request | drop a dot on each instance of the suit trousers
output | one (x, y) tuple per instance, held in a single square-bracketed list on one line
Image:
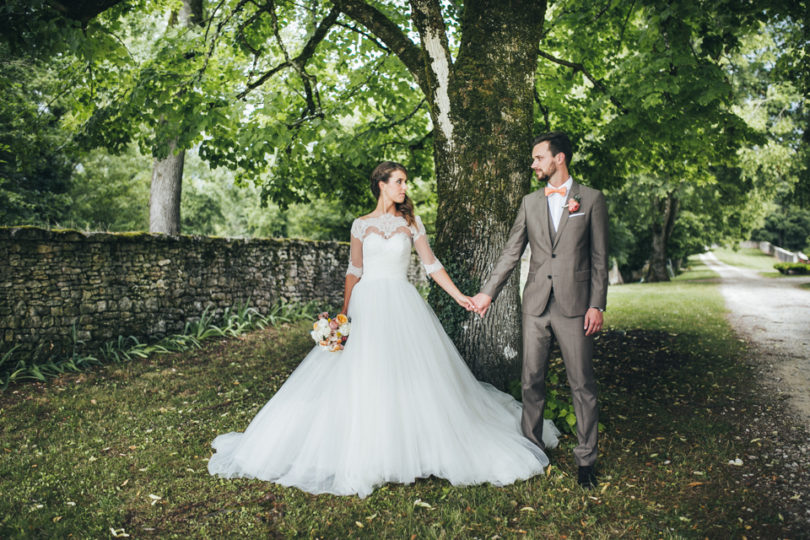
[(577, 353)]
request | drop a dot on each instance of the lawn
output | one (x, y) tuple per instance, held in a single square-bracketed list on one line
[(747, 258), (123, 449)]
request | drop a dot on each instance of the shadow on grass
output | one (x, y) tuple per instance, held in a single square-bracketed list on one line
[(124, 449)]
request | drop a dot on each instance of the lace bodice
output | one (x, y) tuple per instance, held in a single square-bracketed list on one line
[(381, 247)]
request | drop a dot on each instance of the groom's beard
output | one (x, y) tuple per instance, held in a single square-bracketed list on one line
[(546, 176)]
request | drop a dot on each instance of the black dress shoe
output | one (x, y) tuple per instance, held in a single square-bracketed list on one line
[(586, 477)]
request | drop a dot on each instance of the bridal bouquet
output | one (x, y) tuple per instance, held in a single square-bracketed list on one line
[(331, 333)]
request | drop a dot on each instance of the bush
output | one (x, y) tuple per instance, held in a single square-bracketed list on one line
[(792, 268)]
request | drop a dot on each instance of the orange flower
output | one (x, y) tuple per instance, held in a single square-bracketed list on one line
[(342, 319)]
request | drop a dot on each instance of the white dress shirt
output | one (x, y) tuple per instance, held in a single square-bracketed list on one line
[(556, 202)]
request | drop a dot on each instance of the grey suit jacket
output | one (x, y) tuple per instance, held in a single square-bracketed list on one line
[(574, 262)]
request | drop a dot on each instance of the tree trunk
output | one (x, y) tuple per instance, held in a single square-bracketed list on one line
[(167, 173), (665, 211), (482, 112), (164, 195)]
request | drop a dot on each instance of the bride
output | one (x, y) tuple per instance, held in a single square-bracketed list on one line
[(398, 403)]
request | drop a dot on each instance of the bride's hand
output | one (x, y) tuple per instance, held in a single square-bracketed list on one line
[(465, 302)]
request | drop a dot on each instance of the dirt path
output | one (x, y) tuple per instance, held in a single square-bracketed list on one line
[(774, 314)]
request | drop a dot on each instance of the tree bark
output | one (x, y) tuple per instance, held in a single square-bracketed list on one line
[(665, 211), (482, 111), (167, 173), (164, 195)]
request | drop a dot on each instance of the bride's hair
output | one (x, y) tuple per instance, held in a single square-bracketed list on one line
[(381, 173)]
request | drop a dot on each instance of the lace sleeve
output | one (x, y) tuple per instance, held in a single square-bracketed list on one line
[(420, 243), (356, 250)]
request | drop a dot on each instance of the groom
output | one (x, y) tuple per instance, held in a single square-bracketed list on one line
[(566, 226)]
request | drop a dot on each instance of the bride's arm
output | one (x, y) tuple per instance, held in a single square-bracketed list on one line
[(355, 270), (435, 270), (442, 279), (351, 281)]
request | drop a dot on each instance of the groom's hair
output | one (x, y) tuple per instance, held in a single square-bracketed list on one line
[(558, 141)]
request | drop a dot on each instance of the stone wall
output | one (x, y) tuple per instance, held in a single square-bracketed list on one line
[(145, 285)]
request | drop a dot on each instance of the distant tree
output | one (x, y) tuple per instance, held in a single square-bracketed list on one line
[(109, 192), (167, 171), (36, 155), (787, 228)]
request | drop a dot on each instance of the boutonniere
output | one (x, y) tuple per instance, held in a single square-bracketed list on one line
[(573, 203)]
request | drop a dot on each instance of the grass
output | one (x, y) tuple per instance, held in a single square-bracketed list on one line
[(233, 321), (748, 258), (123, 449)]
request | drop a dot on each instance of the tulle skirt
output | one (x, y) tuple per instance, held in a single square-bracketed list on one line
[(398, 403)]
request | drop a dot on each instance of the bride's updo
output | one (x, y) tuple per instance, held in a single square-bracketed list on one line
[(381, 173)]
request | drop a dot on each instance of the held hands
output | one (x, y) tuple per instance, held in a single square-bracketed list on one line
[(465, 302), (482, 302), (479, 303)]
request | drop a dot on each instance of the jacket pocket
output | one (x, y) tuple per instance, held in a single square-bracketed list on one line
[(582, 275)]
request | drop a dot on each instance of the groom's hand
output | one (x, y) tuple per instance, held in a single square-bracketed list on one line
[(593, 321), (482, 302)]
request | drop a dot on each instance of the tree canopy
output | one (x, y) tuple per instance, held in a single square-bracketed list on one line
[(682, 112)]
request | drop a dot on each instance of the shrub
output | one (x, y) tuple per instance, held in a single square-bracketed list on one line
[(792, 268)]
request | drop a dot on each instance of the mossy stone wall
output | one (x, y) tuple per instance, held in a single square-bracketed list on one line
[(147, 285)]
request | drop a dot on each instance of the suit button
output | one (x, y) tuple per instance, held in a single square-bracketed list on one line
[(553, 255), (549, 277)]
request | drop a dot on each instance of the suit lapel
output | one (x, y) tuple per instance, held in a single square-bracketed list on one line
[(545, 221), (564, 218)]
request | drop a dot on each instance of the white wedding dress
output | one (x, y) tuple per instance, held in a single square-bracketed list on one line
[(398, 403)]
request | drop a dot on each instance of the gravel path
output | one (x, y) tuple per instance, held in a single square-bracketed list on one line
[(774, 315)]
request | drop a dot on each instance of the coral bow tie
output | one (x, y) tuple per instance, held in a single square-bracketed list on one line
[(560, 190)]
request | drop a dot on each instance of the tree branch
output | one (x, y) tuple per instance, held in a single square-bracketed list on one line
[(419, 144), (261, 80), (543, 109), (298, 67), (596, 82), (299, 62), (371, 37), (389, 33), (603, 11), (393, 122), (240, 31), (427, 17), (624, 25), (82, 11), (217, 34)]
